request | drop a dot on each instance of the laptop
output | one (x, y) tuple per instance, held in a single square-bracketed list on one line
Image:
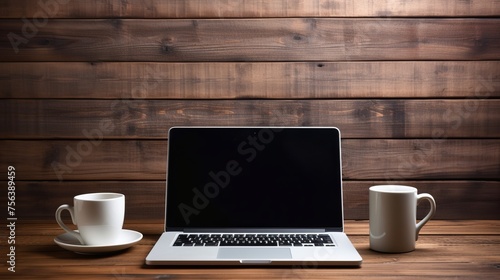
[(254, 196)]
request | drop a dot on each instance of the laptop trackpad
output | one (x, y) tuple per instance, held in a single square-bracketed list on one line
[(254, 253)]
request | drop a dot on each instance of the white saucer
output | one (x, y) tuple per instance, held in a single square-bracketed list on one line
[(127, 239)]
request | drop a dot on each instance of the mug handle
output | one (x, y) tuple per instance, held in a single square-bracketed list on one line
[(432, 202), (63, 226)]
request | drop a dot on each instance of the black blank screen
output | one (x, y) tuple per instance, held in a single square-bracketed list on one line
[(254, 178)]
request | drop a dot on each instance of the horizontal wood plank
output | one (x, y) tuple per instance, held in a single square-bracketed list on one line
[(475, 117), (241, 8), (423, 159), (294, 39), (151, 228), (275, 80), (488, 246), (385, 268), (145, 200), (445, 249)]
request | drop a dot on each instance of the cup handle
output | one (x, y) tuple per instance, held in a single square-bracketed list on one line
[(429, 215), (63, 226)]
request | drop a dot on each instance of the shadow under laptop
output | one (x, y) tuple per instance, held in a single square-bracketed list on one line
[(253, 266)]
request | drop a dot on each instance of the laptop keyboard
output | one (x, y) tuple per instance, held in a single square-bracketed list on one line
[(254, 240)]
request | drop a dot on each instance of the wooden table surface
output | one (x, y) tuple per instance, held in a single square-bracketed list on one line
[(445, 249)]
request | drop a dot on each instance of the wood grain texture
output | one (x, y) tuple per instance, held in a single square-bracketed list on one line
[(445, 249), (270, 80), (88, 90), (151, 119), (354, 228), (234, 40), (421, 159), (241, 8), (450, 159), (145, 200)]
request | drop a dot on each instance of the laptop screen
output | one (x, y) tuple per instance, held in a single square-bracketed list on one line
[(257, 177)]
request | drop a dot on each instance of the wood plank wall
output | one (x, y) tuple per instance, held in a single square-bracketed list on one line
[(88, 90)]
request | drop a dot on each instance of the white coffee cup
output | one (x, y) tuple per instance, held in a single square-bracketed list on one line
[(393, 216), (98, 216)]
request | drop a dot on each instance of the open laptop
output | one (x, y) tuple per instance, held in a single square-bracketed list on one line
[(254, 196)]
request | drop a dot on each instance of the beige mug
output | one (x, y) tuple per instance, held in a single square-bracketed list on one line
[(98, 216), (393, 216)]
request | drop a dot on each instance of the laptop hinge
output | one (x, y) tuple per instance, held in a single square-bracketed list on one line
[(250, 230)]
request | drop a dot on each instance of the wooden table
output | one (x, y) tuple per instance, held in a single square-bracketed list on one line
[(446, 249)]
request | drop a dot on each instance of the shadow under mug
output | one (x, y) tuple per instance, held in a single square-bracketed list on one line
[(98, 216), (393, 216)]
